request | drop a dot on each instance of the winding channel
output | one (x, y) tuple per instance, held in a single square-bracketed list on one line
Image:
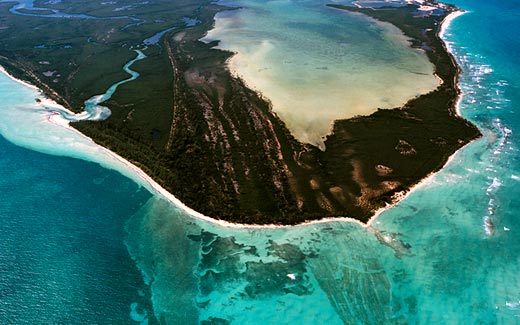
[(95, 112)]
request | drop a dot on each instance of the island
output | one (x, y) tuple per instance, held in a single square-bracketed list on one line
[(206, 137)]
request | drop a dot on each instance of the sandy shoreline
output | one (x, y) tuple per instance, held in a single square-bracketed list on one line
[(447, 22), (25, 83), (156, 189)]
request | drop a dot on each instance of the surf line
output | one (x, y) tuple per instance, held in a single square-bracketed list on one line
[(93, 110)]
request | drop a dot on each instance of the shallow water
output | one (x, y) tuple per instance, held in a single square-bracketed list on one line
[(448, 253), (317, 64)]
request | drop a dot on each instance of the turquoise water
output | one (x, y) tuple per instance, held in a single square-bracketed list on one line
[(448, 253)]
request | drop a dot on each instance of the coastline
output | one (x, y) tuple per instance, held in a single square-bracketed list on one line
[(23, 82), (155, 188), (55, 118), (445, 24)]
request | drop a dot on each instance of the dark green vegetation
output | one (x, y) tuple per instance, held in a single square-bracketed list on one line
[(213, 142)]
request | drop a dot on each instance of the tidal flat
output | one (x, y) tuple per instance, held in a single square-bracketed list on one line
[(317, 65)]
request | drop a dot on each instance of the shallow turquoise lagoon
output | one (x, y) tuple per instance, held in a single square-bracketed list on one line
[(448, 253), (318, 64)]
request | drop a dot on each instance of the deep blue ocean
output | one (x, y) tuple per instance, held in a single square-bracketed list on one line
[(83, 244), (62, 258)]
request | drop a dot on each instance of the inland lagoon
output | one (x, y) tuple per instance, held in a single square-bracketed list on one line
[(317, 64)]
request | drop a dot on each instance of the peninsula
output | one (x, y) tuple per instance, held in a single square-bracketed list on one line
[(207, 138)]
